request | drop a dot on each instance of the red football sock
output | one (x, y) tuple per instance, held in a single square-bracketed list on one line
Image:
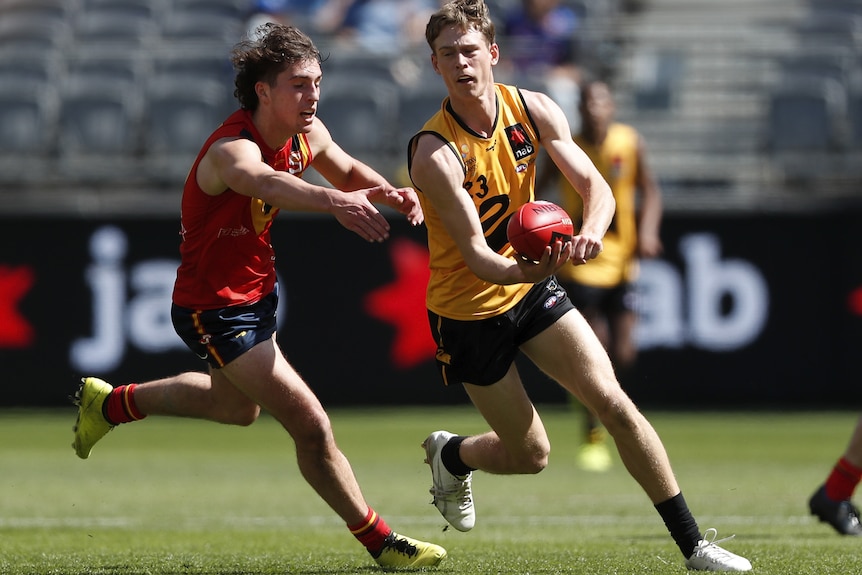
[(843, 480), (120, 407), (371, 531)]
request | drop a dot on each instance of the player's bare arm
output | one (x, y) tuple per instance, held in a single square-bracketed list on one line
[(236, 164), (348, 173), (650, 208), (575, 165), (439, 175)]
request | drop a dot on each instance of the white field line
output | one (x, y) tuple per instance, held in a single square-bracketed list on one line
[(204, 522)]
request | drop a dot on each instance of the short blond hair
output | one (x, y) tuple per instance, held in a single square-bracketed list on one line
[(464, 14)]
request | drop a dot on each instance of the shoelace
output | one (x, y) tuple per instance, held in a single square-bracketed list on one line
[(710, 543), (400, 545), (462, 493)]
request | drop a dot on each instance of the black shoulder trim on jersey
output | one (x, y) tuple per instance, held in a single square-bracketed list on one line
[(411, 149), (529, 115)]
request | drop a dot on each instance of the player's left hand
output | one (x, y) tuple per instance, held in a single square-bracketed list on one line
[(405, 201), (585, 248)]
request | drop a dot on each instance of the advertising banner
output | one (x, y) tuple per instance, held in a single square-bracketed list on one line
[(751, 311)]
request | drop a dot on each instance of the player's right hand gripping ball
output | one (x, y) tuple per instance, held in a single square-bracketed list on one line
[(537, 225)]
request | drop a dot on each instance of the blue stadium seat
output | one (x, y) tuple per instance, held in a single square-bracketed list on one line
[(27, 120), (807, 115), (363, 122)]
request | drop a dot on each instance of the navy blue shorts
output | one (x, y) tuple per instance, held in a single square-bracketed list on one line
[(481, 351), (219, 336)]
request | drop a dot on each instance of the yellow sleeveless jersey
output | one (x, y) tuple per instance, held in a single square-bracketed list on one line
[(499, 175), (616, 159)]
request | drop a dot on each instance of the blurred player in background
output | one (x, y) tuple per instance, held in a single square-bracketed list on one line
[(831, 502), (474, 164), (604, 290), (225, 295)]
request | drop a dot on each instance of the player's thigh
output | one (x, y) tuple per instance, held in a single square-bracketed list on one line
[(507, 408), (265, 376), (572, 355)]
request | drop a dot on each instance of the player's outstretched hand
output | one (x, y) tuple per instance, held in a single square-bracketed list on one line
[(354, 211), (404, 200)]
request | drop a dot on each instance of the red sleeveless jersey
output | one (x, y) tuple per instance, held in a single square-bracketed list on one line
[(226, 255)]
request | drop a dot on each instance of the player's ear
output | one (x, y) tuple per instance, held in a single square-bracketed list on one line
[(495, 53), (262, 90)]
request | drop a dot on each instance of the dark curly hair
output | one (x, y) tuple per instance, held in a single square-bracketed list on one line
[(264, 55), (464, 14)]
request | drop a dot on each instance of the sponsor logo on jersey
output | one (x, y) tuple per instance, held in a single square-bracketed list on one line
[(519, 141)]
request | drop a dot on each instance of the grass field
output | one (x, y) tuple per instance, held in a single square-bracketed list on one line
[(169, 496)]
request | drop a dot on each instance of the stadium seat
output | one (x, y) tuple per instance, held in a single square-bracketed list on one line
[(27, 119), (99, 134), (193, 66), (358, 67), (363, 122), (30, 69), (825, 62), (806, 115), (415, 108), (178, 120), (205, 27), (110, 26), (236, 9), (42, 9), (824, 28), (123, 68), (26, 31)]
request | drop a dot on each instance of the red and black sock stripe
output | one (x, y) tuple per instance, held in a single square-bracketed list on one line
[(843, 480), (120, 406), (371, 532)]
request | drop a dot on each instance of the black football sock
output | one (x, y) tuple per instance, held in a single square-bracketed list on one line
[(451, 457), (680, 523)]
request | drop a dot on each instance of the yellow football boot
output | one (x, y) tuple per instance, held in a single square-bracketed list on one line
[(91, 425), (400, 552)]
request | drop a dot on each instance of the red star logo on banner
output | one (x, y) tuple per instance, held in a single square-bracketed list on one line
[(15, 330), (854, 301), (402, 304)]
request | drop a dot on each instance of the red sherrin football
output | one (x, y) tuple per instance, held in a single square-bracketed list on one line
[(537, 225)]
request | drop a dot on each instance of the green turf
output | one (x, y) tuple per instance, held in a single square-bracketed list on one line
[(170, 496)]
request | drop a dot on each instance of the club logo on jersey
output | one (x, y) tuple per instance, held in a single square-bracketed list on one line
[(519, 141), (294, 163)]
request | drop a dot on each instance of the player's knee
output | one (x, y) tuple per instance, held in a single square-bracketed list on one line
[(242, 415), (314, 432), (533, 461), (619, 416), (534, 465)]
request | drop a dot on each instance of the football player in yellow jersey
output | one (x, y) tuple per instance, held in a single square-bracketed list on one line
[(474, 165), (604, 290)]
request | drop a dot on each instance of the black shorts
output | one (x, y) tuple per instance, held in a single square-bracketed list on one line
[(219, 336), (608, 301), (481, 351)]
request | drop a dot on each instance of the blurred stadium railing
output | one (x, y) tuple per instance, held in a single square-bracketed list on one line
[(745, 104)]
